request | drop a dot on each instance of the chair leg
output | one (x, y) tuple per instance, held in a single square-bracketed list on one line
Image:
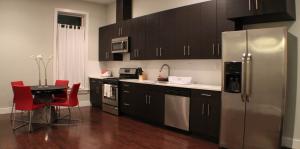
[(30, 121), (11, 113), (69, 113), (81, 118), (14, 120)]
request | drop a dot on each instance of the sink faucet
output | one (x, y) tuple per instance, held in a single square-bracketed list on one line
[(165, 65)]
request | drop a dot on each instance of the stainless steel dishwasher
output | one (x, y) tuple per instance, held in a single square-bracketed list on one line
[(177, 108)]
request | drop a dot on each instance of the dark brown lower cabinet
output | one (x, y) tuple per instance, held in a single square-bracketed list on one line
[(145, 102), (205, 110), (96, 92)]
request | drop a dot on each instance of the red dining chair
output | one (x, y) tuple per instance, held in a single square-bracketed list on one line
[(24, 102), (14, 83), (63, 96), (72, 100)]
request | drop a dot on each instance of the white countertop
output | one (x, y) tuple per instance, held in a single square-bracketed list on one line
[(190, 86), (98, 77)]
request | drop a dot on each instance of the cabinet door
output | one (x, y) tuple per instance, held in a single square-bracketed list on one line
[(197, 113), (95, 93), (182, 29), (102, 43), (194, 46), (223, 24), (127, 102), (139, 97), (167, 34), (239, 8), (155, 107), (269, 6), (152, 36), (205, 113), (213, 114), (137, 37), (208, 27)]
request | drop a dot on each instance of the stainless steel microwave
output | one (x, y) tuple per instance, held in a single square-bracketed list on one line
[(120, 45)]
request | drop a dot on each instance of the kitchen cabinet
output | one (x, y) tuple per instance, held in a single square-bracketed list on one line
[(123, 10), (122, 29), (258, 11), (137, 38), (205, 111), (95, 92), (105, 36), (160, 35), (201, 38), (223, 24), (142, 101)]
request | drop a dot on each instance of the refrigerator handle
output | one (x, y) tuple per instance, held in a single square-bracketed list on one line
[(243, 83), (248, 76)]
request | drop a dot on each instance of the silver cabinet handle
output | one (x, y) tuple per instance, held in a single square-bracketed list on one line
[(137, 52), (189, 53), (249, 5), (125, 91), (159, 51), (121, 31), (156, 51), (146, 99), (213, 46), (243, 77), (207, 95), (202, 109), (126, 104), (256, 4), (208, 110), (248, 76), (184, 50), (149, 100)]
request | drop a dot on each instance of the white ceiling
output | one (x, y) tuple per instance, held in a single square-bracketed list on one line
[(101, 1)]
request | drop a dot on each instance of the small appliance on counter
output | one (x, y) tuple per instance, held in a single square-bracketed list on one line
[(110, 87)]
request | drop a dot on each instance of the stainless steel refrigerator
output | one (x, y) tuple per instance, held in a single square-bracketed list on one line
[(254, 85)]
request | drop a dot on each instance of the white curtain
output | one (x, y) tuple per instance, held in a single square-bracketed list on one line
[(71, 54)]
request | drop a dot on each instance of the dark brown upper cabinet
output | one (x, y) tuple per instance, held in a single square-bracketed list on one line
[(123, 10), (259, 11), (223, 24), (137, 38), (189, 32), (105, 36)]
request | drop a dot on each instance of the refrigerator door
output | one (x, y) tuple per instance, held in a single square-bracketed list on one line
[(233, 107), (265, 88)]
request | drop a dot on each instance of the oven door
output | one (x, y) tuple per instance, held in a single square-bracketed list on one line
[(119, 45), (110, 94)]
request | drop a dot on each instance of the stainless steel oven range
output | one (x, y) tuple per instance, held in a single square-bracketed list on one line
[(110, 89)]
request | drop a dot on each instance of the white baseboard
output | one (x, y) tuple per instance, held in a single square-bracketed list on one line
[(293, 143), (84, 103)]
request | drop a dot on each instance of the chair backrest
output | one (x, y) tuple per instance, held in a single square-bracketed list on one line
[(23, 98), (16, 83), (73, 97), (63, 83)]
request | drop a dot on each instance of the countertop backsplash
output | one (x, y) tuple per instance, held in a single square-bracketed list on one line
[(202, 71)]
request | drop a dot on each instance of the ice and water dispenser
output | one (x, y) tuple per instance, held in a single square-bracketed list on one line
[(232, 77)]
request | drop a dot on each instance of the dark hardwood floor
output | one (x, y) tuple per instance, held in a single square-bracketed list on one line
[(98, 130)]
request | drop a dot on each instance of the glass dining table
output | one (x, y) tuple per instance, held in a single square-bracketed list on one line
[(44, 94)]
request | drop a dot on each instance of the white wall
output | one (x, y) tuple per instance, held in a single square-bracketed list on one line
[(204, 71), (26, 29)]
